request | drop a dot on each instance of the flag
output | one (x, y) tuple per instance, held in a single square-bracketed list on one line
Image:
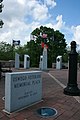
[(16, 42), (44, 36), (44, 45)]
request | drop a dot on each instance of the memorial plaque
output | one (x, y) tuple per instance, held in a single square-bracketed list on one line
[(22, 89)]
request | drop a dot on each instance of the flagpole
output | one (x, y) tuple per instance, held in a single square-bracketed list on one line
[(14, 43)]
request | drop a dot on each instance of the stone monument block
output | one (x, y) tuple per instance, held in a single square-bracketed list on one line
[(26, 61), (17, 62), (59, 62), (22, 89), (41, 62), (45, 58)]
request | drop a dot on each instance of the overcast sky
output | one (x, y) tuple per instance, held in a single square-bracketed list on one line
[(21, 17)]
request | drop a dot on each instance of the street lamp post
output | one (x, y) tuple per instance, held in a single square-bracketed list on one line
[(72, 88)]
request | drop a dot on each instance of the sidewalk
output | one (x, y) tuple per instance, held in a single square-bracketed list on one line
[(54, 81)]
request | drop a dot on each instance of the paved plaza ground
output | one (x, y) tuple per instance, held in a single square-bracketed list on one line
[(53, 84)]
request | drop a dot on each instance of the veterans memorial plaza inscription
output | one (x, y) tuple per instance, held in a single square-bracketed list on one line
[(22, 89)]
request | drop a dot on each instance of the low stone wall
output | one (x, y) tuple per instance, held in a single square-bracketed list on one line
[(7, 64)]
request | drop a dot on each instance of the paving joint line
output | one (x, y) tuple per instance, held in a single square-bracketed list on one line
[(63, 86)]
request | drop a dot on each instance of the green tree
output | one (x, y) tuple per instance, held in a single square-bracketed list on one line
[(55, 41), (34, 52), (6, 51)]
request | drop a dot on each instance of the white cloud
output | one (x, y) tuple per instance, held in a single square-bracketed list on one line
[(22, 2), (5, 36), (36, 10), (12, 9), (16, 30), (13, 15), (40, 12), (20, 8), (76, 34), (51, 3), (59, 23)]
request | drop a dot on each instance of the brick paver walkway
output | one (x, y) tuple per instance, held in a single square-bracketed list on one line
[(68, 107)]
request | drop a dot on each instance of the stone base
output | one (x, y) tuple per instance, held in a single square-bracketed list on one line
[(72, 91)]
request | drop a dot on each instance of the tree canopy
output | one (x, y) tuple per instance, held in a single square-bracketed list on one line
[(55, 41)]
